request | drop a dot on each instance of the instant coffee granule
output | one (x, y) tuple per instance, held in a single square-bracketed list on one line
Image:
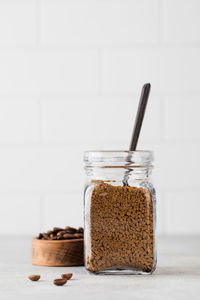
[(121, 228)]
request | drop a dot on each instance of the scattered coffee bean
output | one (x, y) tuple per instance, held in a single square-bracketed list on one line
[(68, 276), (60, 281), (34, 277)]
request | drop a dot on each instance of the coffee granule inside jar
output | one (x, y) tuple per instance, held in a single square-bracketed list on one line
[(121, 228)]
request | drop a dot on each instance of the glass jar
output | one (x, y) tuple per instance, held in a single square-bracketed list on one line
[(120, 212)]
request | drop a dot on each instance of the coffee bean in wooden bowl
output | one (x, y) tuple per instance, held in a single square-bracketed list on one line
[(58, 247)]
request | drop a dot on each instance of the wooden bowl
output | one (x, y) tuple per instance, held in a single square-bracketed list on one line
[(57, 253)]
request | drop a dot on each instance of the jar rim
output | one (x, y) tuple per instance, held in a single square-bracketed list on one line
[(118, 158)]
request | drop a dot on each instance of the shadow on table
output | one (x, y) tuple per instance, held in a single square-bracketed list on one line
[(180, 271)]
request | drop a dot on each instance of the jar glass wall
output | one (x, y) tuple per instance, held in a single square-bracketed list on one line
[(120, 212)]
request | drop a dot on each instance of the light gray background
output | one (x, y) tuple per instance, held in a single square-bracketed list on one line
[(70, 78)]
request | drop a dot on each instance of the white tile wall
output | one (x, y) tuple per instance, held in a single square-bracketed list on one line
[(177, 165), (61, 209), (18, 23), (19, 213), (19, 119), (70, 79), (182, 215), (169, 69), (48, 71), (182, 118), (98, 125), (40, 168), (181, 21), (98, 22)]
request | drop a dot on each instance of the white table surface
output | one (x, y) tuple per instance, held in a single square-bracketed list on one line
[(177, 275)]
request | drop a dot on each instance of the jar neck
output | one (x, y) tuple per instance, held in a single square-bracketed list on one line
[(117, 165), (119, 173)]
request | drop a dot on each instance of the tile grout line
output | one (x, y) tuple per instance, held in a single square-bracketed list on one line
[(38, 21), (160, 22), (90, 96), (162, 120), (41, 218), (74, 144), (75, 191), (137, 45), (40, 122), (100, 75)]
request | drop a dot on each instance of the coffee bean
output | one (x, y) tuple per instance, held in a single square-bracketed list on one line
[(60, 233), (34, 277), (60, 281), (40, 236), (68, 276), (80, 230), (78, 235), (56, 229), (68, 236), (69, 229), (46, 236)]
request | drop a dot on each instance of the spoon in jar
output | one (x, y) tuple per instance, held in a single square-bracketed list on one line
[(138, 124)]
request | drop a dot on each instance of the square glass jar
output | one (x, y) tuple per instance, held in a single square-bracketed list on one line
[(119, 212)]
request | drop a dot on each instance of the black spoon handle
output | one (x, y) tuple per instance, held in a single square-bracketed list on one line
[(140, 115)]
